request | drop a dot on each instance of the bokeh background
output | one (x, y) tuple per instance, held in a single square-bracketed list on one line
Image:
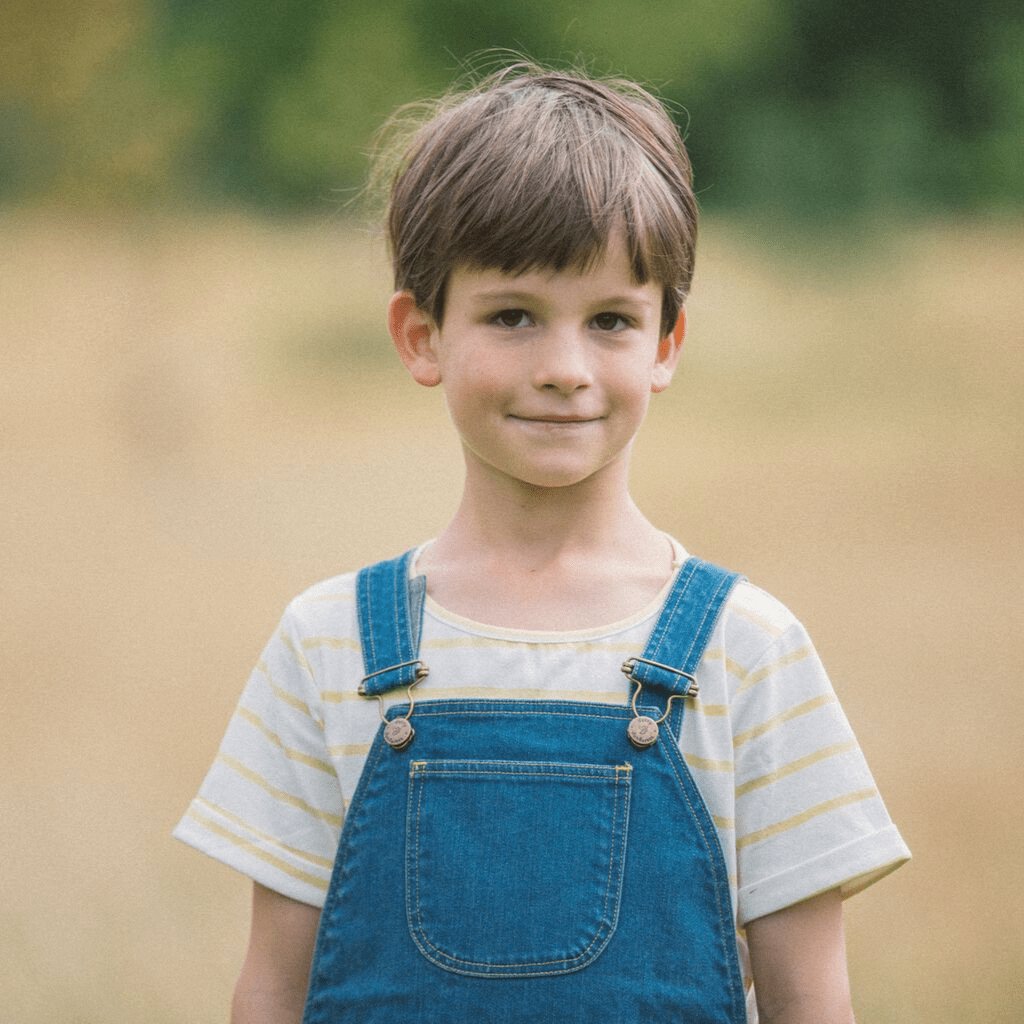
[(200, 415)]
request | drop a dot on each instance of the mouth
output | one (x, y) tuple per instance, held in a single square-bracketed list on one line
[(557, 420)]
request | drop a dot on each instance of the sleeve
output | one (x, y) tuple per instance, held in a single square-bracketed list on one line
[(271, 805), (809, 817)]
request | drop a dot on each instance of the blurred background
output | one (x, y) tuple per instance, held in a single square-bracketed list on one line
[(200, 415)]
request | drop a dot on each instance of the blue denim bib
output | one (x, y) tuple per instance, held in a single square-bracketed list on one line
[(527, 860)]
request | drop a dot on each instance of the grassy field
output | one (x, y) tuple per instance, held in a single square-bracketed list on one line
[(201, 417)]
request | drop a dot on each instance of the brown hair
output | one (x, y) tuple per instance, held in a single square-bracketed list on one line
[(533, 168)]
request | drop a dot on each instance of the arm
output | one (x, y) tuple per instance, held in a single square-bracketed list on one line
[(271, 988), (798, 956)]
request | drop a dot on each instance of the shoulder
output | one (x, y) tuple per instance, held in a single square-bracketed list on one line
[(768, 659), (759, 608), (323, 608), (754, 623), (331, 604)]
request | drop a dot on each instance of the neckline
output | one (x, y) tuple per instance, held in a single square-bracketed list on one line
[(483, 629)]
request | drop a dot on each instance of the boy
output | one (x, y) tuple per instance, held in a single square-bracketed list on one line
[(528, 835)]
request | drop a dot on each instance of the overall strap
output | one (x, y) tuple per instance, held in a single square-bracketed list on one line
[(683, 629), (390, 606)]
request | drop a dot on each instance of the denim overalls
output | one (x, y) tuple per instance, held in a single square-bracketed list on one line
[(508, 861)]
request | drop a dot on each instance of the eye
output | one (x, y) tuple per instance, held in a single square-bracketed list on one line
[(512, 318), (610, 322)]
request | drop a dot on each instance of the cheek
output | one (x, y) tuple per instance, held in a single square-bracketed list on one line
[(476, 376), (473, 395), (637, 382)]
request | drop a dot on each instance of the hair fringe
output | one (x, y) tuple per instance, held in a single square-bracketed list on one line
[(644, 143)]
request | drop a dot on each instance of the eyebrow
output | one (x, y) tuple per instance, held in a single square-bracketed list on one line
[(510, 295)]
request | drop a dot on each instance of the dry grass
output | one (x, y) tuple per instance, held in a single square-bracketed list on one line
[(200, 418)]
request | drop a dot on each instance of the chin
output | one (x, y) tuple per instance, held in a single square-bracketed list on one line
[(555, 477)]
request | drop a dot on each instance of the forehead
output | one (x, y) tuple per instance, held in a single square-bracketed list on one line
[(609, 276)]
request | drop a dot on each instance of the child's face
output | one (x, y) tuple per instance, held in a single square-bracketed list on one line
[(547, 375)]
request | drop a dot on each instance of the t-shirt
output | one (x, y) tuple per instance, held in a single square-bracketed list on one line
[(794, 804)]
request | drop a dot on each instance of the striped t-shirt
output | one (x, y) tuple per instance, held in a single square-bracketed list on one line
[(769, 747)]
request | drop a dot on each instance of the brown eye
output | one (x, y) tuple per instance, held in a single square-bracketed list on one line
[(609, 322), (512, 318)]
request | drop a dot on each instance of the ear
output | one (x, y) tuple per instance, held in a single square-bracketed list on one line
[(669, 350), (414, 334)]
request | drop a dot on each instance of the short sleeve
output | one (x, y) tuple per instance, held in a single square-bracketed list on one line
[(809, 817), (271, 805)]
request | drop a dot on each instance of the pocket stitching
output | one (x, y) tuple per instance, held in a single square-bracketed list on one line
[(607, 926)]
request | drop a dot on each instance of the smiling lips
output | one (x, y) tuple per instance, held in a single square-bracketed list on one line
[(556, 419)]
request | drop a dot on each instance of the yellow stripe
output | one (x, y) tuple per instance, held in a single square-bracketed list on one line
[(283, 695), (279, 794), (795, 766), (724, 823), (295, 755), (299, 656), (705, 764), (745, 613), (768, 670), (337, 643), (713, 654), (266, 837), (746, 677), (805, 816), (735, 668), (732, 666), (710, 710), (349, 749), (292, 701), (255, 851), (773, 723), (580, 646)]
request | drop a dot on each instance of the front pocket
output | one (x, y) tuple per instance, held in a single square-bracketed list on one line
[(514, 868)]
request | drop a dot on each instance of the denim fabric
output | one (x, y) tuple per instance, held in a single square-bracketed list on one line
[(391, 619), (522, 861), (535, 823)]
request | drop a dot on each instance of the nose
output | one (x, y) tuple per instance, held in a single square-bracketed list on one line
[(562, 362)]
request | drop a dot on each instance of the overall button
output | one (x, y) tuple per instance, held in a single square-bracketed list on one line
[(642, 732), (398, 733)]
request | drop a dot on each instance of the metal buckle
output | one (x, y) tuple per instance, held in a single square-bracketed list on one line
[(631, 663), (398, 733), (643, 730), (421, 673)]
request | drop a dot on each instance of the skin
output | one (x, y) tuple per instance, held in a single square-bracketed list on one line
[(798, 958), (272, 985), (547, 377)]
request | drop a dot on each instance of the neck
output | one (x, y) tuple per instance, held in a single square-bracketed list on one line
[(518, 526), (547, 558)]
